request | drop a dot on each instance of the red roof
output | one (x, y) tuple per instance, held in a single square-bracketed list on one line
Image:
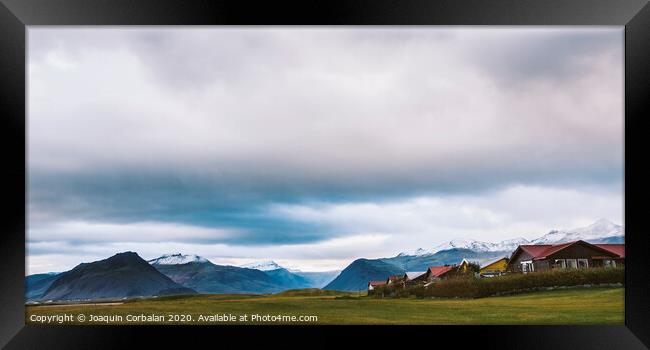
[(541, 251), (437, 271), (535, 250), (395, 277), (376, 283), (554, 249), (618, 249)]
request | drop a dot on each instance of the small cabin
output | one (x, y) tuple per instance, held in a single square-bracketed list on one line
[(466, 267), (494, 268), (373, 284), (394, 279), (413, 276), (435, 273)]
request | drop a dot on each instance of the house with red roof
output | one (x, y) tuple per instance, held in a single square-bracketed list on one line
[(411, 275), (373, 284), (618, 249), (575, 254), (435, 273), (394, 279)]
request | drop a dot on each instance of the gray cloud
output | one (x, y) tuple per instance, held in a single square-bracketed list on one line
[(547, 54), (318, 111), (207, 127)]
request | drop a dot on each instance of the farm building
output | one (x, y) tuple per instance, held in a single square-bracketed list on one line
[(576, 254), (467, 267), (373, 284), (394, 279), (438, 272), (494, 268), (414, 277)]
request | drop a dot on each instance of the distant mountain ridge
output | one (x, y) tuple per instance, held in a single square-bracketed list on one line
[(176, 259), (36, 285), (601, 231), (202, 275), (318, 279), (263, 265), (299, 279), (206, 277)]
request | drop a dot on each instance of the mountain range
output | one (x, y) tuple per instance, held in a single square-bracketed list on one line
[(124, 275), (356, 275), (206, 277), (259, 277), (127, 275), (263, 265), (301, 279), (176, 259), (601, 231)]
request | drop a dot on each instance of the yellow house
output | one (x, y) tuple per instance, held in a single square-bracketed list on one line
[(463, 266), (494, 268)]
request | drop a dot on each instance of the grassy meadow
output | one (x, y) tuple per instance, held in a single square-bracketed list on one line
[(563, 306)]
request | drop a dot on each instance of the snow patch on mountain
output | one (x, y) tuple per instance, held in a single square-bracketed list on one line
[(177, 259), (417, 252), (263, 265), (480, 246), (599, 231)]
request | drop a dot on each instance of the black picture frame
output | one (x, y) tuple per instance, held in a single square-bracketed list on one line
[(15, 15)]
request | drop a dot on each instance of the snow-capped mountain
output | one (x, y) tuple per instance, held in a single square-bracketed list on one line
[(480, 246), (176, 259), (263, 265), (601, 231), (417, 252), (510, 244), (471, 244)]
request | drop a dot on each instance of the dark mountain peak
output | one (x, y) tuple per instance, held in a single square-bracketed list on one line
[(356, 275), (126, 256), (122, 275), (117, 261)]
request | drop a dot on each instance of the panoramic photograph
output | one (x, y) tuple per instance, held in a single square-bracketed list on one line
[(325, 175)]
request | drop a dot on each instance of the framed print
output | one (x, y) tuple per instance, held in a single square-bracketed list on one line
[(243, 171)]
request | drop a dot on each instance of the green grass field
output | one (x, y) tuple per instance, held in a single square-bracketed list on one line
[(566, 306)]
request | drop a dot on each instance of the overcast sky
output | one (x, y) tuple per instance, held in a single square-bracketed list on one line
[(313, 147)]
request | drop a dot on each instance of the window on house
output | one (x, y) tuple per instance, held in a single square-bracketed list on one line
[(526, 266), (571, 263), (609, 263), (583, 263), (559, 264)]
